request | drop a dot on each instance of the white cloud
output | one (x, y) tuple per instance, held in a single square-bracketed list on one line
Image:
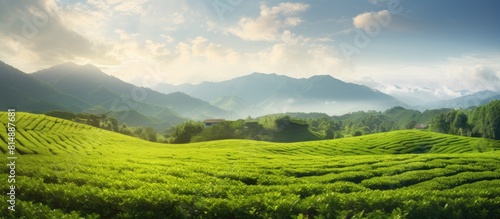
[(477, 78), (125, 6), (376, 1), (450, 78), (110, 39), (367, 20), (124, 35), (178, 18), (200, 59), (168, 39), (270, 22), (37, 33), (175, 44), (97, 32)]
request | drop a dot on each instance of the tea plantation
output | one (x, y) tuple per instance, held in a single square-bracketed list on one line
[(71, 170)]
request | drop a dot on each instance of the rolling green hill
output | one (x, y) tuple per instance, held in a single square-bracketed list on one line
[(66, 169)]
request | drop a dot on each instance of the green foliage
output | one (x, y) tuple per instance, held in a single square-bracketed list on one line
[(482, 145), (224, 130), (486, 120), (274, 122), (326, 125), (295, 131), (410, 125), (440, 123), (483, 121), (185, 131), (280, 129), (395, 118)]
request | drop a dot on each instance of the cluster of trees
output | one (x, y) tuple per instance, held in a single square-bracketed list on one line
[(263, 128), (371, 123), (326, 127), (486, 120), (396, 118), (453, 122), (192, 131), (483, 121), (183, 132)]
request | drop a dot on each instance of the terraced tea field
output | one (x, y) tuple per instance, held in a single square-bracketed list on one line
[(70, 170)]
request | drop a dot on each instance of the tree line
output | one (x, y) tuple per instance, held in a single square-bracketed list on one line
[(253, 129), (483, 121)]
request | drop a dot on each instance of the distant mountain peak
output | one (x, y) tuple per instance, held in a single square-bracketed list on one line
[(178, 93), (65, 65), (73, 66), (91, 67), (260, 73), (323, 77)]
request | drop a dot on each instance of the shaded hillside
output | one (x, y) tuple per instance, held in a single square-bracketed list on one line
[(295, 132), (89, 83), (193, 108), (26, 93)]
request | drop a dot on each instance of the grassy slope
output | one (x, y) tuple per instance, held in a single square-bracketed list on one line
[(93, 168)]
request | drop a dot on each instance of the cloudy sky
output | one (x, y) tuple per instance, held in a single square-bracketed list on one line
[(397, 46)]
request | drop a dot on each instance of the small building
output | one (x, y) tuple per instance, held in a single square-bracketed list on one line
[(211, 122), (421, 126)]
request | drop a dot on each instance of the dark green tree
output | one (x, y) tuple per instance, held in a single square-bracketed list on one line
[(125, 130), (486, 120), (114, 124), (410, 125), (150, 134), (440, 124), (329, 134), (219, 131), (93, 120), (459, 124), (185, 131)]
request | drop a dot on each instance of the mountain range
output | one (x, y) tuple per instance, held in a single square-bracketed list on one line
[(86, 89), (463, 102), (260, 94)]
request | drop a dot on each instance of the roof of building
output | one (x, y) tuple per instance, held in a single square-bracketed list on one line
[(213, 120)]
